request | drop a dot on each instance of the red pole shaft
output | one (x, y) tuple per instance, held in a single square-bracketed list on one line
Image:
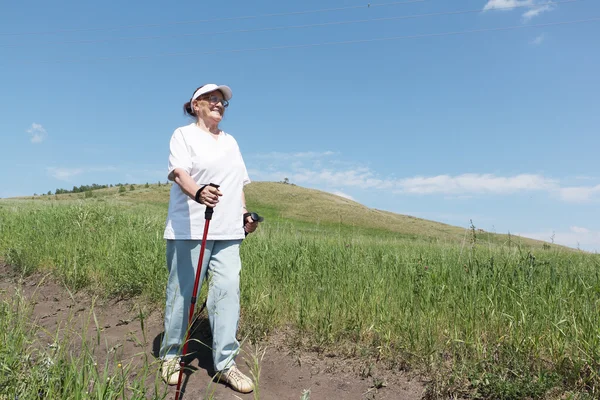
[(192, 307)]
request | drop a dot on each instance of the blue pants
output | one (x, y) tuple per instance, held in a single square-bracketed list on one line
[(222, 262)]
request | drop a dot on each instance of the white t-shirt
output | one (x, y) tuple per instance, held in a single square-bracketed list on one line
[(206, 160)]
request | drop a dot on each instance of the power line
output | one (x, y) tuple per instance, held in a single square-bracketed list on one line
[(277, 28), (285, 14), (309, 45)]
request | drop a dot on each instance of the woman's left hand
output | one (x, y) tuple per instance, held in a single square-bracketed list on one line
[(250, 225)]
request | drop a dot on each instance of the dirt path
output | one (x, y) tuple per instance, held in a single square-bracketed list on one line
[(285, 373)]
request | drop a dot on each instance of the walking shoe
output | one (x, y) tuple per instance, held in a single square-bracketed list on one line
[(170, 370), (236, 379)]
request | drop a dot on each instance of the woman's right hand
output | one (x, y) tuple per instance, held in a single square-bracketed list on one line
[(209, 196)]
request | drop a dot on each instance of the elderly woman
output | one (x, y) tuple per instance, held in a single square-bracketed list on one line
[(201, 154)]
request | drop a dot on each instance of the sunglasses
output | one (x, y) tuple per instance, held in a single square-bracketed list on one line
[(215, 99)]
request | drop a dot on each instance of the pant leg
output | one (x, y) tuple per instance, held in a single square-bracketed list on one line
[(182, 262), (224, 301)]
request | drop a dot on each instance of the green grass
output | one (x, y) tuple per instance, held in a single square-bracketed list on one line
[(478, 318), (31, 368), (116, 249), (314, 210)]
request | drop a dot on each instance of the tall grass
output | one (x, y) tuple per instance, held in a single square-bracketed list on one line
[(479, 319), (118, 249), (32, 368)]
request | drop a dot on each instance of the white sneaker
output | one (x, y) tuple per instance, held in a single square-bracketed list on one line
[(170, 370), (236, 379)]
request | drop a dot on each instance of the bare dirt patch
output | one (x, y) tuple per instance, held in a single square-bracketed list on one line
[(117, 332)]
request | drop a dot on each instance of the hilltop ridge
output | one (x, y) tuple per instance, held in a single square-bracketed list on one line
[(313, 209)]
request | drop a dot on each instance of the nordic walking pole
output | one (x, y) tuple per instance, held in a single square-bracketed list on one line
[(207, 217), (255, 217)]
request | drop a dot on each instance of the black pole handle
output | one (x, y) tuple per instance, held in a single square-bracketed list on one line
[(255, 217), (209, 210)]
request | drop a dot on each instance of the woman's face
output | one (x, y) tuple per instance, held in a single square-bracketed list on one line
[(212, 106)]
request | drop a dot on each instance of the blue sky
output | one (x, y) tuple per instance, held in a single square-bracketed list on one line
[(448, 118)]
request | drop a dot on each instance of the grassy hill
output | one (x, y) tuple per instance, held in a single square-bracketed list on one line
[(315, 210), (480, 315)]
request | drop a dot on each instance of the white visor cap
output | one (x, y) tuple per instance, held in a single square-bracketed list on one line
[(211, 87)]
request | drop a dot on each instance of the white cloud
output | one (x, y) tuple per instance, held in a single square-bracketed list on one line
[(331, 172), (576, 237), (37, 133), (536, 7), (475, 184), (357, 177), (579, 194), (586, 178), (342, 194), (537, 10), (538, 40), (578, 229), (460, 185), (64, 174), (506, 5)]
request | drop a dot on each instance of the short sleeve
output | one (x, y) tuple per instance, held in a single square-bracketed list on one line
[(246, 176), (179, 156)]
